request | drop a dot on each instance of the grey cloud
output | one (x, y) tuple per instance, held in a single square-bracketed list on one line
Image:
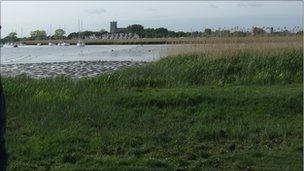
[(159, 16), (95, 11), (151, 9), (213, 6), (249, 4)]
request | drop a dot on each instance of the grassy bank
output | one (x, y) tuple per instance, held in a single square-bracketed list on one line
[(233, 67), (237, 110)]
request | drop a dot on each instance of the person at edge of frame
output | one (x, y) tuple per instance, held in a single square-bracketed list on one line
[(3, 154)]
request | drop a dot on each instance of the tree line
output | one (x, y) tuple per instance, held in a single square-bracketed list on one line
[(161, 32)]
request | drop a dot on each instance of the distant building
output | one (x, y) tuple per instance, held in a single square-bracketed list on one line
[(116, 33), (113, 36), (113, 26), (115, 29)]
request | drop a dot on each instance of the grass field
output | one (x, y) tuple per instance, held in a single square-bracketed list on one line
[(231, 110)]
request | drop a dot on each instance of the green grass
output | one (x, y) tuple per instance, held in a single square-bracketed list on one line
[(233, 112), (240, 67)]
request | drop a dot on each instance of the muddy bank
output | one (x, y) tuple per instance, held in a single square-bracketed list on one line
[(75, 69)]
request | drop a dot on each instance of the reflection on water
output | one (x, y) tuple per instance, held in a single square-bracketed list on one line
[(39, 54)]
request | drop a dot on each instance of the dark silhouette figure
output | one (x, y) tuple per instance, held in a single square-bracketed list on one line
[(3, 154)]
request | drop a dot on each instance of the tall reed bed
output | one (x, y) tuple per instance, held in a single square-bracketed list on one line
[(212, 65)]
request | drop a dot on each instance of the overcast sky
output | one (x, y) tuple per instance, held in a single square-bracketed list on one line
[(25, 16)]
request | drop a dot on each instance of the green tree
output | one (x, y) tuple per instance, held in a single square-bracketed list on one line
[(195, 34), (258, 31), (239, 34), (149, 32), (207, 31), (38, 34), (73, 35), (135, 28), (86, 33), (6, 39), (12, 36), (161, 32), (222, 33), (226, 33), (59, 33), (181, 34), (171, 34), (103, 31)]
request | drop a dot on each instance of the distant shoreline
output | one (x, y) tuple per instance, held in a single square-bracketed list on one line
[(204, 40)]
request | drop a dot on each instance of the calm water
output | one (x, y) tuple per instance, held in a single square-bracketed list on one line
[(39, 54)]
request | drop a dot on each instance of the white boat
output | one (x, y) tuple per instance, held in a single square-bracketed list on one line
[(65, 44), (9, 45), (50, 37), (80, 44), (38, 44)]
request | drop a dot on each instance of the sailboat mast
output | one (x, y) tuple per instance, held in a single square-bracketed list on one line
[(81, 29), (78, 29), (50, 32)]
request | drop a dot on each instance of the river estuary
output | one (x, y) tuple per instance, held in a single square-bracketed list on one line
[(75, 62)]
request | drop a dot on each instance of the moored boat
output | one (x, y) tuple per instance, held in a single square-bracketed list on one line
[(80, 44), (65, 44)]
